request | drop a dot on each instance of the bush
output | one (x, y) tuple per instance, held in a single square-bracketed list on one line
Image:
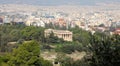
[(69, 48)]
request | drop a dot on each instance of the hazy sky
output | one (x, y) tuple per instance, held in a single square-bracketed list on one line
[(58, 2)]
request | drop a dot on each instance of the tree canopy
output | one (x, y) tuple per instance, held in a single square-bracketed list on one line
[(27, 54)]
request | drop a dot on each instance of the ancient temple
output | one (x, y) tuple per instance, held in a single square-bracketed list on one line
[(64, 34)]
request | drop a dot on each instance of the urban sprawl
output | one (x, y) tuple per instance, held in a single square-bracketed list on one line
[(103, 18)]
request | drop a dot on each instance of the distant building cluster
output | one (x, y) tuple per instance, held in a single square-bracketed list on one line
[(92, 19)]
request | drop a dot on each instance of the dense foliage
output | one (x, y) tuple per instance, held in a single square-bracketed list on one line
[(69, 48), (105, 50), (101, 49), (27, 54)]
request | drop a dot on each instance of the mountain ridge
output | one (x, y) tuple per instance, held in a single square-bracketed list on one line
[(58, 2)]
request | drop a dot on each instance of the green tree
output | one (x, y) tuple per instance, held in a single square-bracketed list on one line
[(80, 35), (15, 35), (69, 48), (9, 33), (32, 32), (27, 54), (105, 51)]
